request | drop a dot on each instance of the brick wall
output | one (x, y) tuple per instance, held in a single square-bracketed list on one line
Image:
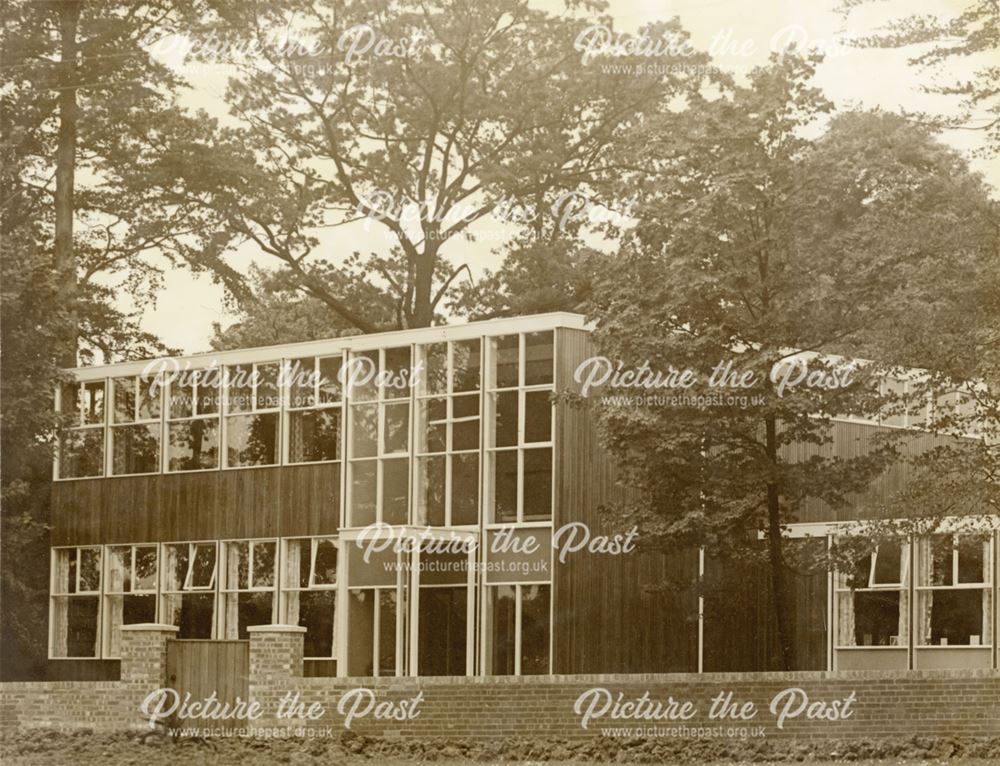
[(881, 704)]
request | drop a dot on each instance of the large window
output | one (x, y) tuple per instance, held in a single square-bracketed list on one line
[(519, 414), (447, 434), (81, 442), (249, 586), (130, 590), (135, 425), (377, 387), (873, 599), (309, 586), (194, 399), (314, 409), (75, 602), (253, 403), (954, 591), (188, 588)]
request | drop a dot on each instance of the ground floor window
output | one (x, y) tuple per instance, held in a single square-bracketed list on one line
[(129, 592), (75, 602), (954, 591), (188, 596), (517, 631), (309, 588), (248, 588)]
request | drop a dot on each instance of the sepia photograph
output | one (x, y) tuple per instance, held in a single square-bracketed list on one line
[(500, 382)]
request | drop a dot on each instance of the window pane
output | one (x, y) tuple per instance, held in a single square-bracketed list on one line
[(81, 453), (538, 358), (876, 618), (465, 406), (506, 419), (537, 417), (268, 392), (465, 489), (325, 570), (397, 373), (264, 562), (93, 402), (301, 382), (505, 486), (90, 570), (502, 627), (69, 402), (124, 389), (194, 445), (180, 402), (361, 633), (256, 608), (442, 631), (237, 562), (537, 484), (194, 614), (972, 561), (329, 380), (888, 562), (360, 377), (252, 439), (506, 359), (395, 491), (431, 490), (314, 435), (145, 568), (363, 493), (364, 428), (239, 396), (135, 449), (465, 435), (119, 575), (534, 629), (466, 365), (397, 428), (149, 399), (316, 615), (432, 429), (203, 567), (81, 626), (956, 616), (942, 551), (387, 633), (209, 391), (435, 368)]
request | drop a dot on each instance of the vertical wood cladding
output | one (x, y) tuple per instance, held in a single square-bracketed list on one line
[(608, 619), (209, 505)]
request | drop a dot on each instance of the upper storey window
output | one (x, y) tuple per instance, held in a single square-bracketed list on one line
[(81, 444), (193, 420), (253, 402), (377, 385), (519, 438), (135, 425), (448, 433), (315, 399)]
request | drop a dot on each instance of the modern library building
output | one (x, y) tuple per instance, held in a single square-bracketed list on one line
[(398, 496)]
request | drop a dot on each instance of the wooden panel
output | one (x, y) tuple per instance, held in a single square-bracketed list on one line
[(202, 668), (206, 505), (629, 613)]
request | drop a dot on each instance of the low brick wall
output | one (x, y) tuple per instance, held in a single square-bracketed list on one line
[(816, 705)]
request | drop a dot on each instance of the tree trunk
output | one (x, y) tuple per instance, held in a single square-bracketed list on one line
[(779, 587), (422, 313), (63, 259)]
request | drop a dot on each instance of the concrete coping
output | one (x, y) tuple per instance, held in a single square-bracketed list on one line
[(276, 629), (150, 627)]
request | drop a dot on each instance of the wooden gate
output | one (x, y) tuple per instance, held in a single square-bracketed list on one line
[(202, 667)]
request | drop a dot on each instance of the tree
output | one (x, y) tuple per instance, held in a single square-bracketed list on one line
[(419, 117), (80, 95), (972, 33), (751, 242)]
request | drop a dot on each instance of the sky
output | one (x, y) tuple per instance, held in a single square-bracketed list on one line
[(740, 34)]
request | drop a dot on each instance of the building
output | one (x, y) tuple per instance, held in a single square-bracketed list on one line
[(217, 492)]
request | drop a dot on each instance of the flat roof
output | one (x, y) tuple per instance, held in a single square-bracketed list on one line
[(467, 330)]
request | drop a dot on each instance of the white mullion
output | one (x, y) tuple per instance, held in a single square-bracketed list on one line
[(284, 406), (224, 419), (470, 614)]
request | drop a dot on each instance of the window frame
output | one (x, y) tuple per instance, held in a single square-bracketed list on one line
[(228, 414), (112, 425)]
